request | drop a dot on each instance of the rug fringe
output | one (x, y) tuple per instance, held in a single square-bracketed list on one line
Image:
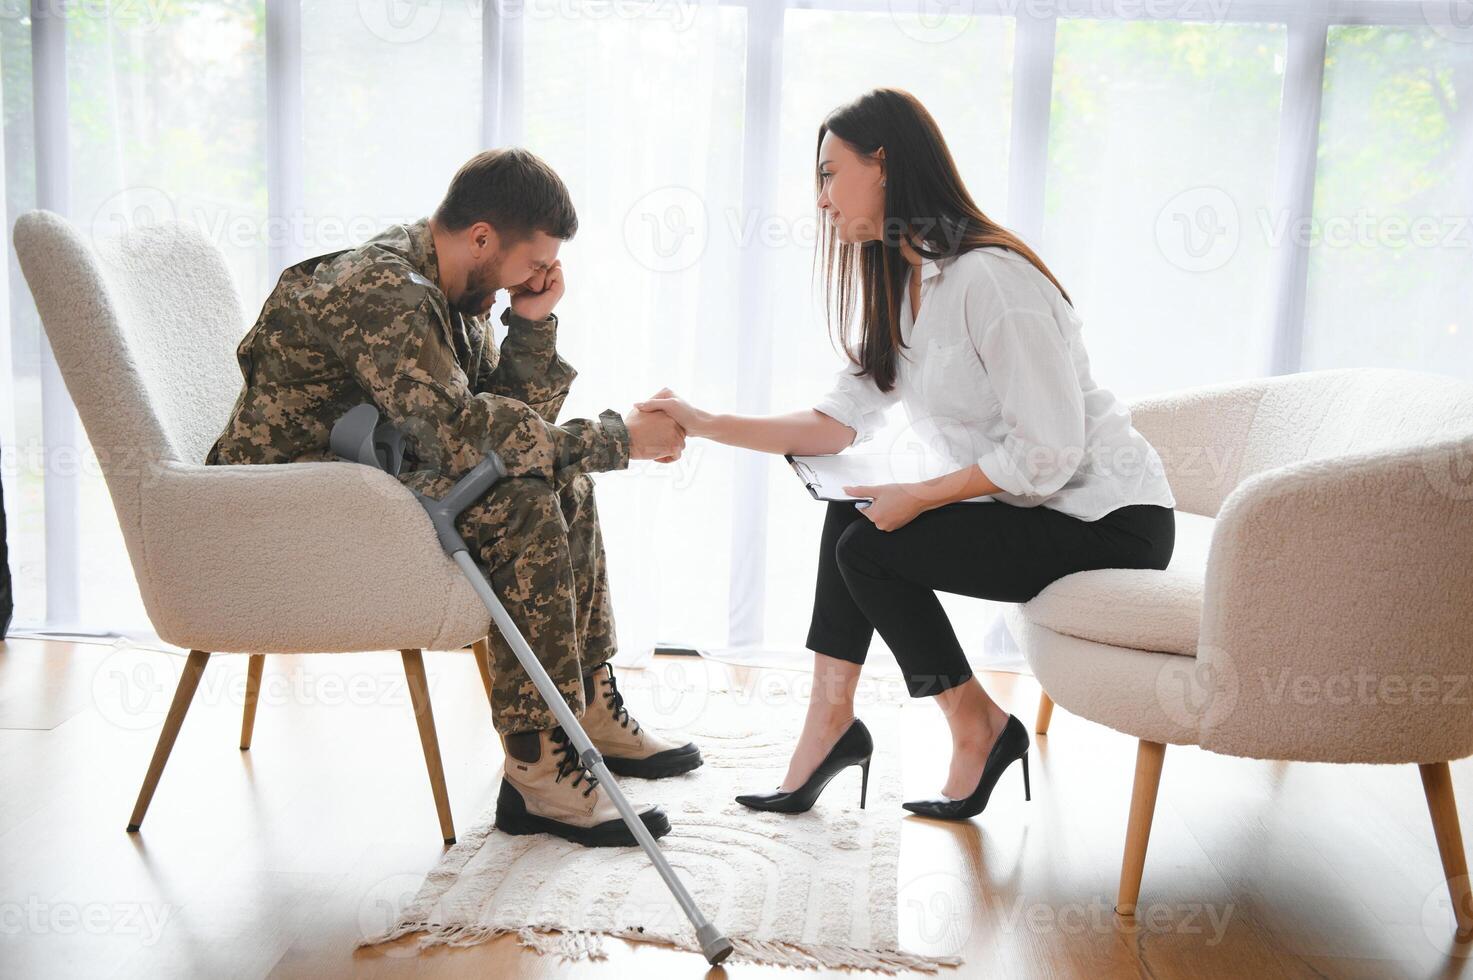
[(818, 955), (578, 945)]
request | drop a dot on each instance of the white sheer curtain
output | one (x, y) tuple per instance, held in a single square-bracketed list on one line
[(390, 106), (642, 115), (1160, 151), (159, 110), (1391, 279), (20, 414), (1156, 161)]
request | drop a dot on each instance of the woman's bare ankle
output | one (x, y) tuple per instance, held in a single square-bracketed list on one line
[(978, 729), (815, 741), (830, 713), (827, 717)]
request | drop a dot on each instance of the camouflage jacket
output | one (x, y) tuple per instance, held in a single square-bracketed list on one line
[(372, 324)]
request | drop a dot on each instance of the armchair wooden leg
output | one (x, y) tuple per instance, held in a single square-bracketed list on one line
[(1148, 759), (194, 668), (482, 651), (252, 695), (1045, 713), (1437, 783), (419, 696)]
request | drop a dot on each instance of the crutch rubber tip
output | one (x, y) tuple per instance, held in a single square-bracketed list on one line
[(714, 945)]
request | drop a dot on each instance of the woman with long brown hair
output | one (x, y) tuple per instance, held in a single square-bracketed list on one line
[(943, 310)]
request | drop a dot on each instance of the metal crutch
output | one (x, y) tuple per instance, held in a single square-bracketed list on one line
[(359, 437)]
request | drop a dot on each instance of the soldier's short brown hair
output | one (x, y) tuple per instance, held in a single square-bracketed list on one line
[(514, 190)]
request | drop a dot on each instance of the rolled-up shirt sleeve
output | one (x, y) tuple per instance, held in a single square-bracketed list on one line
[(1032, 373), (858, 403)]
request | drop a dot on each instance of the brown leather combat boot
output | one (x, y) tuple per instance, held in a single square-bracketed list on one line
[(628, 748), (545, 789)]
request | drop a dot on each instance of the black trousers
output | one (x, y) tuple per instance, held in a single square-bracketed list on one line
[(870, 579)]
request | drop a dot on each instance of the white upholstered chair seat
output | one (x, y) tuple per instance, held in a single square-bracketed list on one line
[(1142, 608)]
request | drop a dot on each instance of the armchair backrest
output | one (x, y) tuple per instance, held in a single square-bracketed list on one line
[(1212, 438), (144, 325)]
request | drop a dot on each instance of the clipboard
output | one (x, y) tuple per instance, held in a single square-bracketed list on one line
[(826, 476)]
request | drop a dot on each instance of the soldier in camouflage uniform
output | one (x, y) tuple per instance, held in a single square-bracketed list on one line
[(403, 321)]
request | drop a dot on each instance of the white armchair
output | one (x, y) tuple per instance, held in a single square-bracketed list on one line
[(292, 558), (1319, 606)]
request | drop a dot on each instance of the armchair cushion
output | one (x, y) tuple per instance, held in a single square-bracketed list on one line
[(298, 558), (1139, 608)]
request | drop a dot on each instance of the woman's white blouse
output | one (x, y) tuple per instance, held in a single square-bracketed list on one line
[(995, 374)]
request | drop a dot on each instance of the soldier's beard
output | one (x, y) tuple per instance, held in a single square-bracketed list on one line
[(480, 289)]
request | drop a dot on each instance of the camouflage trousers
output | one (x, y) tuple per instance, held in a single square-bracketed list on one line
[(540, 545)]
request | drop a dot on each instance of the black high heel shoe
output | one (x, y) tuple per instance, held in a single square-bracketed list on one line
[(853, 748), (1010, 746)]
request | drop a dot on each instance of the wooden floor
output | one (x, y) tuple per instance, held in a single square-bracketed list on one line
[(275, 861)]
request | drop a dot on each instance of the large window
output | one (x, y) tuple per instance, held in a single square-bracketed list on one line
[(1225, 190), (643, 115), (1391, 271), (1162, 143), (391, 105)]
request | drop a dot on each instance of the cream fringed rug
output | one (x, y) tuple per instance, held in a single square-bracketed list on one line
[(810, 890)]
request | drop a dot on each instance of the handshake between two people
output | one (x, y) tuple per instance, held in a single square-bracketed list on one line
[(658, 427)]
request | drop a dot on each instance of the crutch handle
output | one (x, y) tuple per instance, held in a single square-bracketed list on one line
[(359, 437), (352, 436)]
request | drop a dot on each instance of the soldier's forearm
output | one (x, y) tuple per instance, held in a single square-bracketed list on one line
[(605, 444), (530, 369), (453, 435), (530, 340)]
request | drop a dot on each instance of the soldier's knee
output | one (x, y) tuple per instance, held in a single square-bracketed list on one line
[(576, 495), (579, 488), (532, 505)]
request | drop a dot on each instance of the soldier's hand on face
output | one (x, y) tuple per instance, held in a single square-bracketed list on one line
[(535, 298), (654, 435)]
